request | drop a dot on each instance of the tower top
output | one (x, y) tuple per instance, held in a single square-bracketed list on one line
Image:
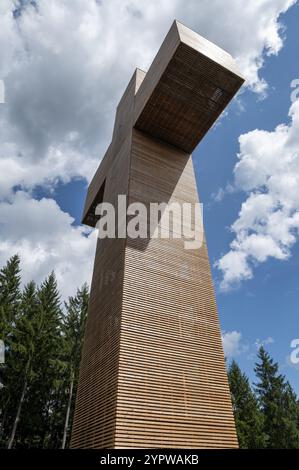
[(188, 85)]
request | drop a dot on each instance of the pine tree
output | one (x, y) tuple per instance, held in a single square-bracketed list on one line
[(248, 418), (10, 295), (278, 404), (74, 326), (23, 348), (40, 374), (43, 373), (10, 279), (43, 351), (50, 373), (9, 308)]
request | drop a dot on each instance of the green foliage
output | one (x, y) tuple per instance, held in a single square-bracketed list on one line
[(248, 417), (278, 403), (43, 342), (43, 345), (73, 330), (10, 296), (268, 416)]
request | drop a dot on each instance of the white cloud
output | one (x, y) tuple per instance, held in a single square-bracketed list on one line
[(251, 356), (232, 345), (263, 342), (65, 66), (45, 239), (268, 222)]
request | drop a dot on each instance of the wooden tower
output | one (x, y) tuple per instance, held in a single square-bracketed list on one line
[(153, 371)]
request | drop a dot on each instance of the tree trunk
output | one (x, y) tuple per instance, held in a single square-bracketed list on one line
[(67, 416), (17, 418), (3, 420)]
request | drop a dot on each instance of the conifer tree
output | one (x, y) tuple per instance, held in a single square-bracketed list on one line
[(248, 418), (23, 348), (40, 375), (10, 279), (73, 327), (278, 403), (44, 376), (42, 361), (51, 367), (10, 295)]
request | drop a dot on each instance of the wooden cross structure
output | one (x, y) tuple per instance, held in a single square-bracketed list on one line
[(153, 373)]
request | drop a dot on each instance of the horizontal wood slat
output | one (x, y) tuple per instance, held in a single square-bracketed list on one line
[(152, 372)]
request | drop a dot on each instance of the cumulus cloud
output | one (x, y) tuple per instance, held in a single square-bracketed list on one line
[(232, 345), (65, 65), (46, 239), (268, 222), (263, 342)]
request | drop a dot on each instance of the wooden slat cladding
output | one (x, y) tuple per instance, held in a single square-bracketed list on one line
[(95, 413), (191, 94), (152, 372), (172, 388), (121, 132), (188, 85)]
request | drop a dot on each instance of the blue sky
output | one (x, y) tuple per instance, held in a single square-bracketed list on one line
[(267, 305), (56, 124)]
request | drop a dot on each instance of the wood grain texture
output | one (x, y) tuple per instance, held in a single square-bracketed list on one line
[(153, 373), (172, 389), (188, 85)]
